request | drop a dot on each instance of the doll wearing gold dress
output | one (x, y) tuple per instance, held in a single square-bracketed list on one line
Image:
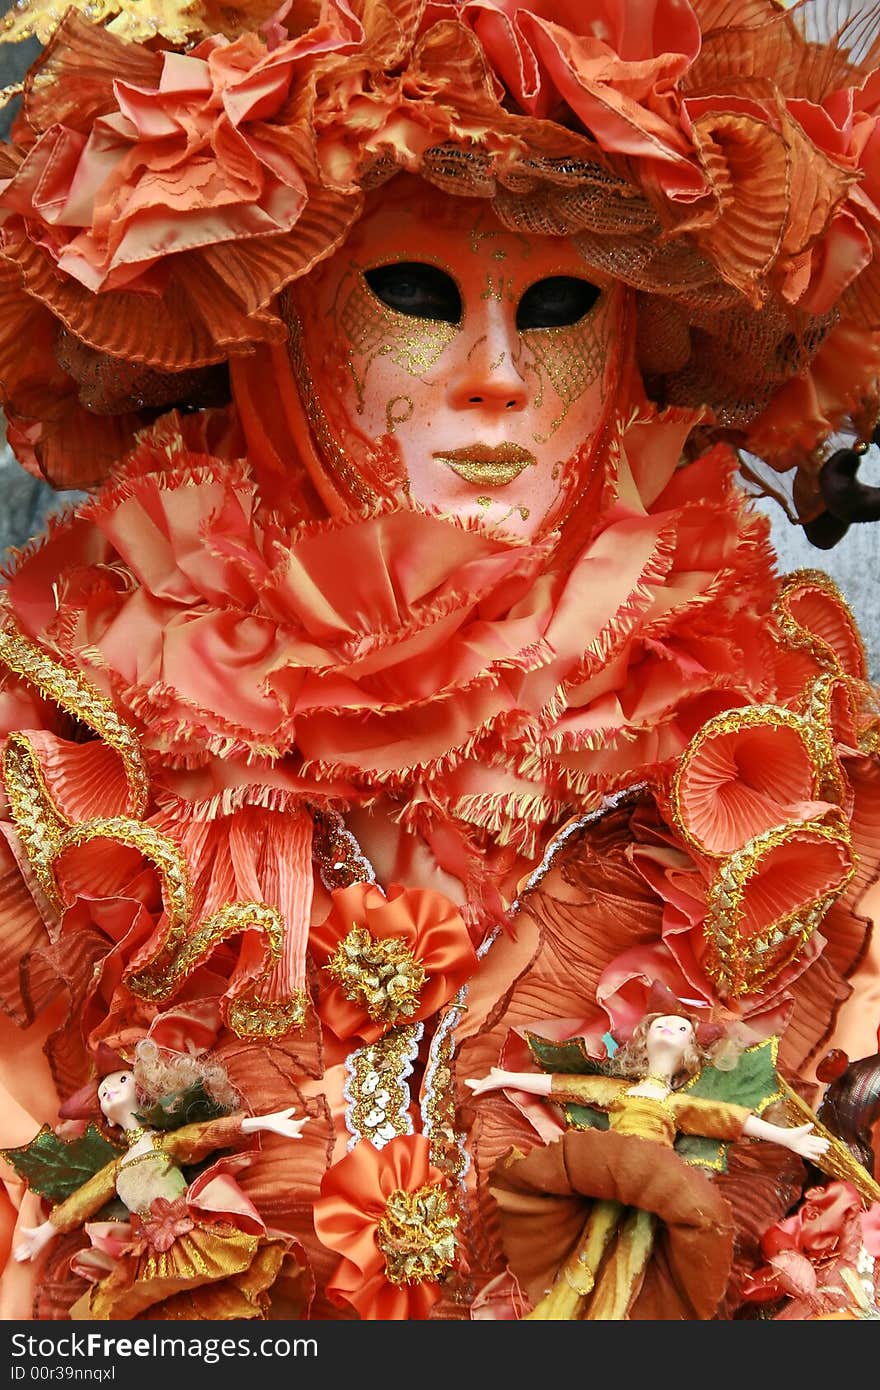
[(581, 1216)]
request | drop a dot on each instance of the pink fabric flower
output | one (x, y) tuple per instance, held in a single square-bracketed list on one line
[(166, 1222), (812, 1256)]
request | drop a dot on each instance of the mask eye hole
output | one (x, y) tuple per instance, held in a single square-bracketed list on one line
[(419, 290), (557, 302)]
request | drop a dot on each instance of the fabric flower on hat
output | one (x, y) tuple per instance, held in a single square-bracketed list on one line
[(614, 65), (157, 208), (389, 1213), (388, 960)]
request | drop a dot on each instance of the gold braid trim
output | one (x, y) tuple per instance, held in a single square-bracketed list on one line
[(248, 1015), (448, 1152), (742, 965), (73, 693), (817, 704), (816, 741), (46, 834), (796, 635), (165, 857), (838, 1161), (40, 826), (253, 1018)]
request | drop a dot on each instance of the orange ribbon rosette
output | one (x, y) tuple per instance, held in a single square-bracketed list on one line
[(390, 1214), (388, 959)]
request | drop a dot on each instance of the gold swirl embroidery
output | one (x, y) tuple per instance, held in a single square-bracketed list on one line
[(253, 1018), (249, 1016), (181, 957), (796, 635), (73, 693), (741, 965), (165, 857), (46, 834), (377, 1089)]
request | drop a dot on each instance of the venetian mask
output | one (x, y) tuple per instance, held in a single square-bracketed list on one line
[(449, 359)]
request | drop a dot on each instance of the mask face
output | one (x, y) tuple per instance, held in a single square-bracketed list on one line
[(479, 360)]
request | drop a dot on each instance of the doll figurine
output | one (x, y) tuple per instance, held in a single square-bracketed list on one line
[(633, 1181), (193, 1247)]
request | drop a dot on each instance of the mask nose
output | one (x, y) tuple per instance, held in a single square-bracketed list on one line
[(488, 379)]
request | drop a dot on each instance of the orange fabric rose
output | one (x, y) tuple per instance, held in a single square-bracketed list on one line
[(177, 195), (358, 1214), (388, 959), (614, 63)]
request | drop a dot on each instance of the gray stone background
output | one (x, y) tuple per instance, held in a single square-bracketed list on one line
[(854, 563)]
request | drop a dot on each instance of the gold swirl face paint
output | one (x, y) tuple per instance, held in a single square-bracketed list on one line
[(483, 355)]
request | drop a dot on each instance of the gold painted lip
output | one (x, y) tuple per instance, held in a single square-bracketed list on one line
[(487, 464)]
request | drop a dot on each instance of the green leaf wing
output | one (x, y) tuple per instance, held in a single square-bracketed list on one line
[(572, 1057), (56, 1167), (568, 1056), (753, 1082)]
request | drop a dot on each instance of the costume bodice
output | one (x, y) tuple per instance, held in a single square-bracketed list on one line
[(647, 1117), (147, 1174)]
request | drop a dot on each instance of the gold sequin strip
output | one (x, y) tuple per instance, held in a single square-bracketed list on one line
[(377, 1088), (573, 828), (742, 965), (73, 693), (40, 827), (448, 1151), (337, 853)]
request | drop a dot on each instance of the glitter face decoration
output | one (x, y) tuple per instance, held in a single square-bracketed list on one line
[(484, 356)]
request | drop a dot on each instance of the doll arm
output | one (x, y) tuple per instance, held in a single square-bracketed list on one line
[(558, 1087), (536, 1083), (800, 1139), (278, 1122), (192, 1143), (69, 1214)]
